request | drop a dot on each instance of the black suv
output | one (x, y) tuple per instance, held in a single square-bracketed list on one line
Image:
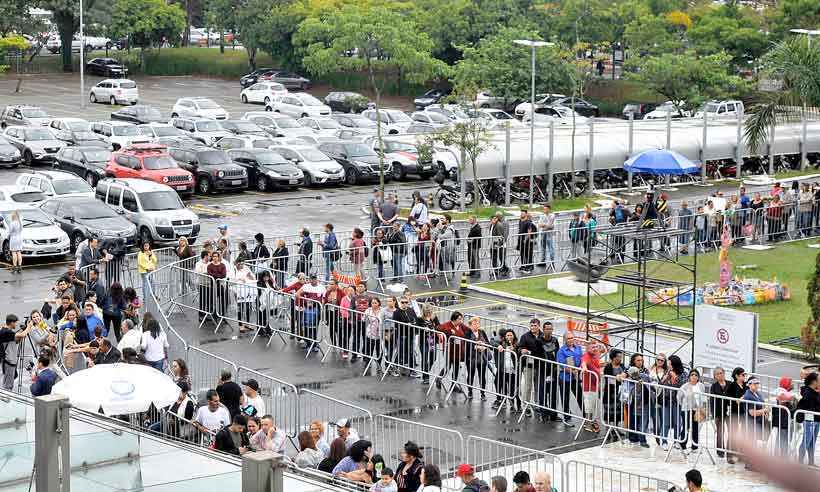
[(213, 169), (267, 169), (359, 161)]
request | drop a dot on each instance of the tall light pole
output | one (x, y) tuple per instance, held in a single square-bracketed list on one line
[(82, 58), (809, 33), (532, 44)]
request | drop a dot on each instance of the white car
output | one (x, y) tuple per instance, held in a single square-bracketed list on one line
[(541, 100), (557, 115), (119, 134), (278, 125), (41, 236), (54, 43), (452, 111), (322, 126), (660, 112), (56, 183), (70, 124), (157, 130), (245, 142), (401, 158), (198, 107), (496, 119), (317, 167), (206, 131), (431, 118), (721, 110), (394, 121), (115, 91), (300, 105), (262, 92), (21, 195)]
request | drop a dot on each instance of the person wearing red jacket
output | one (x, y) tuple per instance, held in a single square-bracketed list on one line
[(293, 289), (448, 329)]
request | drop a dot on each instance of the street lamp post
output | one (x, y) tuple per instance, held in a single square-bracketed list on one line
[(809, 33), (82, 58), (532, 44)]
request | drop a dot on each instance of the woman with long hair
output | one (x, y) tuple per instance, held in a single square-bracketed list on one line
[(146, 263), (154, 344), (430, 479), (179, 370), (113, 306), (506, 362), (670, 410), (266, 300), (16, 242), (374, 330)]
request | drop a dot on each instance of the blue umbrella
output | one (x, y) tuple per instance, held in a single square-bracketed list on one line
[(660, 161)]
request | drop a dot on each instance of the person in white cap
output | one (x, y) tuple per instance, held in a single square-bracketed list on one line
[(345, 432)]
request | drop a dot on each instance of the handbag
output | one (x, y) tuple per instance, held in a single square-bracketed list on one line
[(386, 254), (46, 310), (700, 415)]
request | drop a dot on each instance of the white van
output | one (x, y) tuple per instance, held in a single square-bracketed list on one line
[(115, 91)]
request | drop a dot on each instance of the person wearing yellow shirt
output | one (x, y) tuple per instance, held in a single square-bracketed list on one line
[(146, 263)]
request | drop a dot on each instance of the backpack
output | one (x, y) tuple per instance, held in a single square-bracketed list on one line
[(619, 215), (458, 237)]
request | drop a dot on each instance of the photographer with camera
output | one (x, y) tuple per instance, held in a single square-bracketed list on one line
[(44, 378), (9, 340)]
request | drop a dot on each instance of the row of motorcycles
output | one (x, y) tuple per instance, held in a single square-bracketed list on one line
[(565, 185)]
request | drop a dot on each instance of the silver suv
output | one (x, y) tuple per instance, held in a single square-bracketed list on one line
[(156, 210), (22, 115)]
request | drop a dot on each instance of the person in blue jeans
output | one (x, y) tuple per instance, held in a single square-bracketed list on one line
[(330, 250), (546, 235), (638, 398), (809, 402)]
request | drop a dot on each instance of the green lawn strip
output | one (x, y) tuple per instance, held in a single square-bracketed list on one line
[(791, 263), (487, 212)]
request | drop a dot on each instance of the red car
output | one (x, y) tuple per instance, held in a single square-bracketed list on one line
[(151, 162)]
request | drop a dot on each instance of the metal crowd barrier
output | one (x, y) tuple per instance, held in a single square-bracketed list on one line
[(444, 447), (492, 458), (479, 359), (329, 410), (586, 477), (205, 368), (200, 295), (281, 400), (402, 340), (349, 335), (124, 269), (805, 429)]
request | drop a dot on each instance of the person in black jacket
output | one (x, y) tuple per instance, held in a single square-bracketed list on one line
[(473, 247), (720, 408), (280, 262), (303, 264), (530, 345), (406, 317), (506, 363), (809, 402), (526, 241), (476, 354), (108, 354), (736, 389), (549, 375), (233, 439), (398, 243), (230, 393), (260, 251)]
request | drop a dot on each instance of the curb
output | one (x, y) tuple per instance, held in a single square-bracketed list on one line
[(791, 353)]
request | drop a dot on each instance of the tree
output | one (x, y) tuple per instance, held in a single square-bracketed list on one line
[(795, 14), (796, 64), (147, 22), (652, 35), (738, 31), (15, 17), (373, 39), (504, 68), (687, 79), (252, 16), (11, 43), (811, 330), (277, 36), (221, 14), (66, 15)]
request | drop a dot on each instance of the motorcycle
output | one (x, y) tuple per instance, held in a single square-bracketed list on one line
[(448, 197)]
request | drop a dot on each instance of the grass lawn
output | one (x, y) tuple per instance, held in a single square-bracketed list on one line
[(792, 264), (487, 212)]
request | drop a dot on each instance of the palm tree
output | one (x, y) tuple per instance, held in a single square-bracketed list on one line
[(795, 63)]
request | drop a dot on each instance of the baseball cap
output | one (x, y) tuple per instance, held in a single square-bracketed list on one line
[(251, 383), (222, 227), (464, 469), (343, 423), (313, 276), (753, 381)]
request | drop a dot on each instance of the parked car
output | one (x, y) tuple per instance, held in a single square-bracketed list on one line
[(23, 115), (246, 142), (56, 183), (35, 143), (721, 110), (158, 130), (72, 124), (637, 110), (423, 128), (267, 169), (322, 126), (119, 133), (139, 114), (41, 237), (300, 105), (277, 125), (433, 96), (27, 195), (317, 166), (356, 122), (9, 154), (212, 169), (393, 121), (402, 158), (115, 91), (452, 111), (83, 218), (198, 107), (289, 79), (584, 108), (431, 118), (150, 162), (242, 127), (206, 131), (155, 209), (106, 67), (555, 115), (360, 162), (541, 101), (667, 108), (82, 138), (347, 102), (88, 163), (253, 77), (487, 100), (262, 92)]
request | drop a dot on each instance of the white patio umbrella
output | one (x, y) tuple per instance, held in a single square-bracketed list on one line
[(118, 389)]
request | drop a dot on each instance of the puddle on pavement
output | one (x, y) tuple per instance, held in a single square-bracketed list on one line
[(390, 401), (314, 385)]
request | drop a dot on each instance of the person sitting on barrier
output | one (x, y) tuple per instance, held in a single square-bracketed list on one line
[(809, 402), (252, 402), (335, 455), (430, 479), (543, 482), (448, 329), (233, 439), (466, 473), (385, 482), (692, 402), (408, 473), (521, 479), (476, 357), (309, 455), (354, 466), (317, 431)]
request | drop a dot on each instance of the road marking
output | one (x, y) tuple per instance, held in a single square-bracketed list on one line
[(780, 361), (213, 211)]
